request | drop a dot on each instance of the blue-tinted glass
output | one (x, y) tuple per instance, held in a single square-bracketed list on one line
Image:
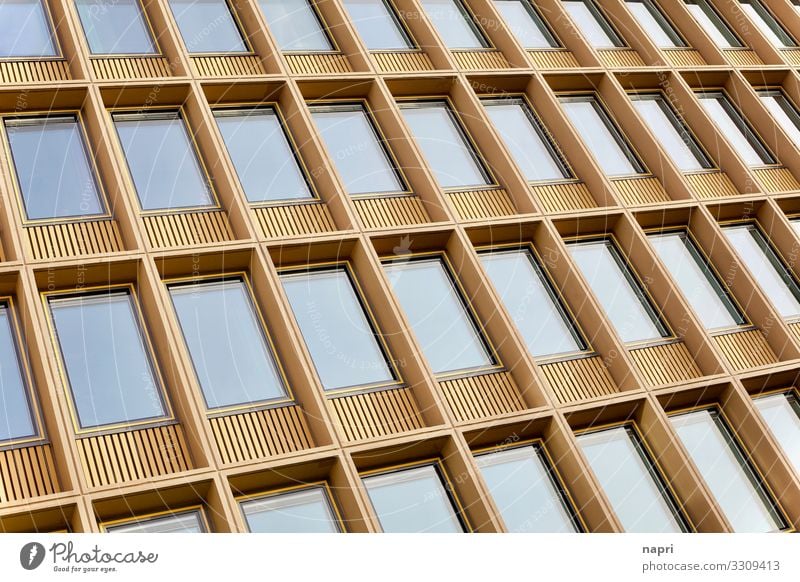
[(306, 511), (16, 419), (25, 30), (207, 26), (115, 27)]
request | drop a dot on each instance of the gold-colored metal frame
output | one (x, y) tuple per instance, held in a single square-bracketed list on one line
[(324, 28), (52, 28), (153, 37), (197, 508), (323, 485), (239, 28)]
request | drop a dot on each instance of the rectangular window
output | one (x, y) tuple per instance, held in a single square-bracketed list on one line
[(781, 412), (25, 30), (414, 500), (768, 270), (115, 27), (732, 124), (671, 132), (308, 510), (232, 357), (618, 291), (766, 23), (106, 359), (53, 167), (655, 24), (713, 24), (445, 145), (163, 162), (783, 112), (357, 149), (17, 420), (631, 481), (438, 314), (378, 25), (532, 302), (207, 26), (526, 139), (524, 22), (264, 159), (696, 279), (527, 492), (338, 333), (601, 135), (454, 24), (591, 23), (296, 25), (732, 480), (183, 522)]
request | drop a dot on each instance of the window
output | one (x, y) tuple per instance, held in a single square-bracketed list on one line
[(207, 26), (619, 293), (53, 167), (735, 128), (526, 139), (671, 133), (454, 24), (766, 23), (25, 30), (445, 145), (336, 329), (162, 160), (357, 149), (655, 24), (524, 22), (307, 510), (16, 414), (532, 302), (783, 112), (591, 23), (696, 280), (414, 500), (781, 412), (438, 315), (106, 359), (259, 147), (295, 25), (713, 25), (527, 492), (631, 482), (115, 27), (601, 136), (378, 25), (184, 522), (768, 270), (738, 489), (232, 357)]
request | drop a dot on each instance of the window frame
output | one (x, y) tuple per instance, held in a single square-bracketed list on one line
[(323, 485), (763, 10), (55, 41), (157, 51), (733, 37), (402, 27), (539, 21), (665, 23), (792, 112), (197, 509), (786, 392), (237, 23), (603, 22), (323, 27), (472, 22)]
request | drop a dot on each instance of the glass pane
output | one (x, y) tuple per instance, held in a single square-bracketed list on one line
[(115, 27), (526, 141), (106, 359), (783, 112), (295, 25), (766, 23), (696, 280), (629, 480), (55, 174), (592, 24), (25, 30), (781, 412), (532, 303), (412, 501), (454, 24), (207, 26), (354, 146), (232, 359), (600, 136), (189, 522), (16, 416), (377, 25), (712, 23), (671, 133), (726, 471), (306, 511), (434, 308), (525, 24), (162, 161), (524, 490), (616, 289), (444, 145), (732, 125), (757, 256), (264, 160), (658, 29), (336, 330)]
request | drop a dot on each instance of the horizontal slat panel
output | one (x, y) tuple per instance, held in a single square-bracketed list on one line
[(130, 68), (742, 58), (640, 191), (579, 379), (564, 197), (666, 364), (480, 60), (27, 472), (261, 433), (33, 71), (188, 228), (555, 59), (711, 185), (391, 211), (482, 396), (376, 414), (72, 239), (318, 64), (684, 58), (745, 349), (133, 455), (620, 58), (402, 62), (227, 66), (294, 219), (478, 204), (777, 180)]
